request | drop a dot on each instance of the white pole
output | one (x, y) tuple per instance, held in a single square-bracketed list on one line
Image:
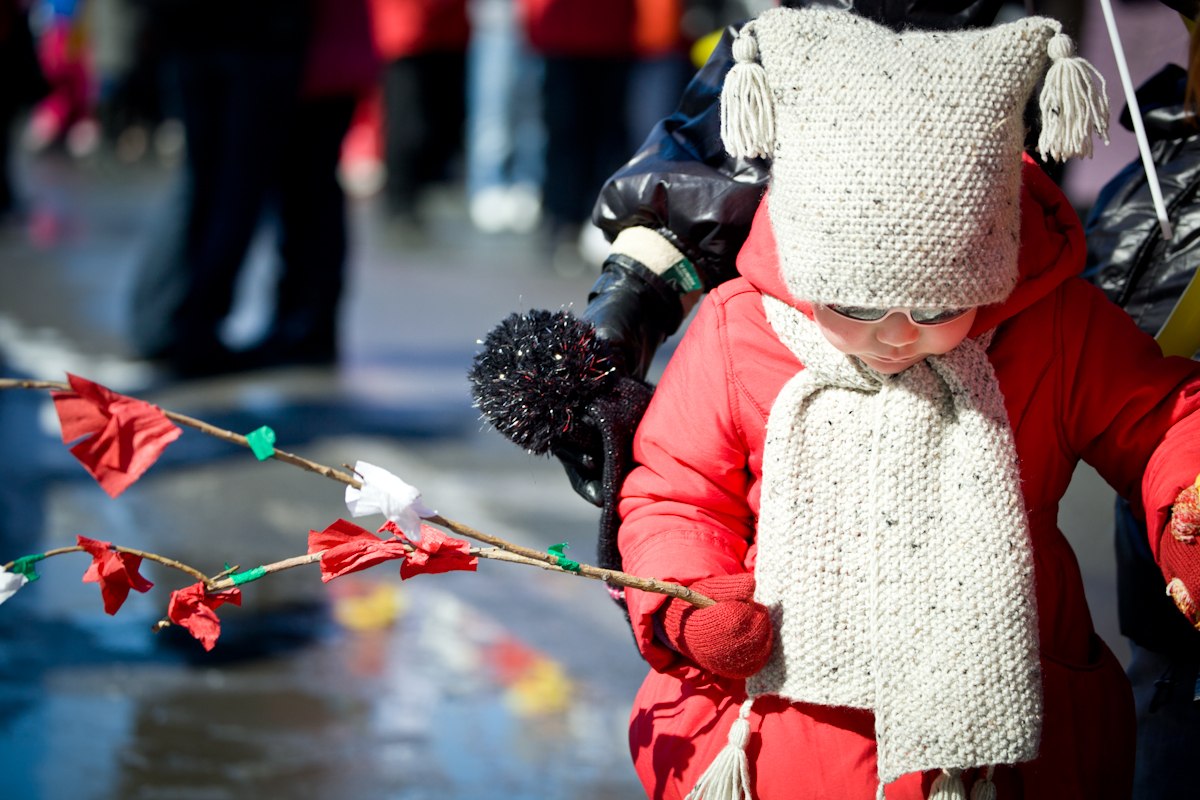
[(1135, 113)]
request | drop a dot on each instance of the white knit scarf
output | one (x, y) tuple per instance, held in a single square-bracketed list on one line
[(894, 553)]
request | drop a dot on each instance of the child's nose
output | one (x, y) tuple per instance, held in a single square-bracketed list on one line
[(896, 330)]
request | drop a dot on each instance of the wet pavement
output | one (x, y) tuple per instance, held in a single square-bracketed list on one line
[(507, 683)]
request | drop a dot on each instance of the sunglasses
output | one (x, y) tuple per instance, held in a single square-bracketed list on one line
[(917, 316)]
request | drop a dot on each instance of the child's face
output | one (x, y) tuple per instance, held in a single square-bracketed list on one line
[(895, 342)]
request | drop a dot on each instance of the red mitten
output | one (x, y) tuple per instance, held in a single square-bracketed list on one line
[(1179, 554), (1185, 515), (731, 638)]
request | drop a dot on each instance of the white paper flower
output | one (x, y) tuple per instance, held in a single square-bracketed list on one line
[(10, 582), (384, 493)]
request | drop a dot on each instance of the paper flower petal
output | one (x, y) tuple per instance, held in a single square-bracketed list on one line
[(349, 548), (384, 493), (338, 533), (116, 573), (122, 436), (194, 609), (436, 553), (10, 583)]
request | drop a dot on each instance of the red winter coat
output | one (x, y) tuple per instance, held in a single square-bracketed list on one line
[(580, 28), (411, 27), (1080, 381), (342, 59)]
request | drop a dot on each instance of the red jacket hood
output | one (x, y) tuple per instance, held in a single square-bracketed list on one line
[(1052, 250)]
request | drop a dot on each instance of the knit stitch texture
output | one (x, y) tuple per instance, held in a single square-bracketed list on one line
[(897, 156), (894, 552), (731, 638)]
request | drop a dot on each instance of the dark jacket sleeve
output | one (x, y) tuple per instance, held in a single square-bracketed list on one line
[(683, 184), (1127, 256)]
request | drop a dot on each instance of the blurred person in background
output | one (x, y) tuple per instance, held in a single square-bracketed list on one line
[(587, 50), (505, 138), (127, 62), (265, 91), (423, 44), (361, 171), (66, 115), (23, 85), (661, 66)]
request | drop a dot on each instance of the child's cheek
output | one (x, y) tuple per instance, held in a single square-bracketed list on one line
[(937, 341), (844, 334)]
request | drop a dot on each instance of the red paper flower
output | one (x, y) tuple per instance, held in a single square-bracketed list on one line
[(435, 553), (116, 573), (125, 436), (194, 609), (349, 548)]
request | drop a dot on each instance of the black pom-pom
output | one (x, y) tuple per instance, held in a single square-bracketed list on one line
[(536, 374)]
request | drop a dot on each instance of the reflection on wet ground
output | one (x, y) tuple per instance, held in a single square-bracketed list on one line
[(495, 684), (388, 692)]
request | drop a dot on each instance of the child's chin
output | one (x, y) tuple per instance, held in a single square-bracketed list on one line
[(889, 367)]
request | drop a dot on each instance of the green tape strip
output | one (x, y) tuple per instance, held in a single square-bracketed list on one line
[(247, 576), (683, 276), (262, 442), (561, 560), (24, 566)]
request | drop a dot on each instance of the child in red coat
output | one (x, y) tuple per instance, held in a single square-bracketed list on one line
[(885, 410)]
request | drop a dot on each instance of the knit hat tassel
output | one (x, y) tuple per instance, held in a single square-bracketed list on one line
[(984, 789), (1073, 102), (747, 108), (948, 786), (728, 777)]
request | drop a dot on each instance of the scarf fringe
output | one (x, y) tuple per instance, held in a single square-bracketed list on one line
[(728, 777)]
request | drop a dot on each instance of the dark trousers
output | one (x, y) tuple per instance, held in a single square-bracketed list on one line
[(424, 109), (584, 105), (253, 147), (312, 236), (7, 196)]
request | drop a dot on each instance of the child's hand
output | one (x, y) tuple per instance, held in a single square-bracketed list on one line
[(1185, 515), (1180, 553), (732, 638)]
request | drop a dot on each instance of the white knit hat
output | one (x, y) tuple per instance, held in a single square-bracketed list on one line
[(897, 156)]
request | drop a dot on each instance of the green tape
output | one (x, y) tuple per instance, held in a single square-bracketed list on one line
[(262, 443), (561, 560), (247, 576), (683, 276), (24, 566)]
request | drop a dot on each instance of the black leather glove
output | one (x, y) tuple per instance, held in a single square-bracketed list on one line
[(585, 471), (633, 311)]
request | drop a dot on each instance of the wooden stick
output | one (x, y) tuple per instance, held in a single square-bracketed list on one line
[(523, 555), (552, 561), (203, 427), (168, 562)]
